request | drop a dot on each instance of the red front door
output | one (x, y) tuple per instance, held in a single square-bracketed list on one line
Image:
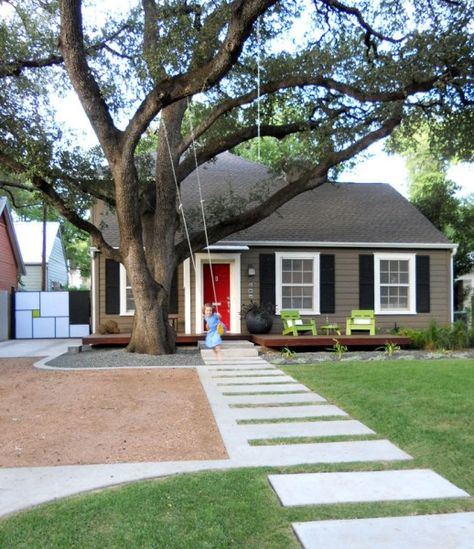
[(221, 301)]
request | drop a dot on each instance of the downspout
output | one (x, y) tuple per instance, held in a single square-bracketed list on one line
[(451, 280)]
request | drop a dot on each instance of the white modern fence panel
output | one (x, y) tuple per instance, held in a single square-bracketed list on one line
[(51, 315)]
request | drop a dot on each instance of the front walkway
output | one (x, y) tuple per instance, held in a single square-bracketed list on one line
[(245, 387)]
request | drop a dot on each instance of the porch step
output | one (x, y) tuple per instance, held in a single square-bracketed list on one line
[(230, 352)]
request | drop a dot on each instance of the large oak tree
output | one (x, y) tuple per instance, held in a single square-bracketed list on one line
[(356, 69)]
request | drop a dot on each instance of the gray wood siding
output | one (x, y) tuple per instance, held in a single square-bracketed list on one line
[(346, 282), (347, 287), (125, 322)]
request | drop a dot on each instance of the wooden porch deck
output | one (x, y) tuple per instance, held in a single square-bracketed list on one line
[(266, 340)]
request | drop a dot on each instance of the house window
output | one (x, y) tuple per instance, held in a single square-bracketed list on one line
[(395, 284), (127, 303), (297, 282)]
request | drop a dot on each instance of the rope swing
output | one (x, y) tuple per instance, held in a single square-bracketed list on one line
[(198, 177)]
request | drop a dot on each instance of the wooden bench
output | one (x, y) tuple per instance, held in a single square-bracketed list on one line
[(294, 324)]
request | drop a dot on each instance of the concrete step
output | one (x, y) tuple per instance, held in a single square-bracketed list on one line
[(305, 429), (256, 374), (270, 388), (454, 530), (232, 381), (287, 412), (230, 353), (325, 452), (364, 486), (274, 399)]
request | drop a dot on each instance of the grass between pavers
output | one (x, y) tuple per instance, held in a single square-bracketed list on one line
[(292, 420), (427, 412), (281, 441), (424, 407), (278, 404)]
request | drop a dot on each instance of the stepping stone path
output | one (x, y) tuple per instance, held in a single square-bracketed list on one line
[(244, 387)]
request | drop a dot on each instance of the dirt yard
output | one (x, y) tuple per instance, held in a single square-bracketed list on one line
[(77, 417)]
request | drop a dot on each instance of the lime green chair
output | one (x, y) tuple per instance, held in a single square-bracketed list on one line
[(361, 319), (294, 324)]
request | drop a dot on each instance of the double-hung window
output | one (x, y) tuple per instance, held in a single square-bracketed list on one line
[(127, 303), (395, 284), (297, 281)]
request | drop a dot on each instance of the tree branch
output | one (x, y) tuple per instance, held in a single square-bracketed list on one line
[(225, 143), (40, 184), (71, 44), (300, 81), (309, 180), (243, 14), (337, 6), (16, 67)]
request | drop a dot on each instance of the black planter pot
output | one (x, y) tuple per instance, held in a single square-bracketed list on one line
[(259, 323)]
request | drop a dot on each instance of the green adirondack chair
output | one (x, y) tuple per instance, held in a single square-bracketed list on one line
[(294, 324), (361, 319)]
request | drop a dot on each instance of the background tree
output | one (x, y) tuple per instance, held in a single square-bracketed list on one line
[(431, 191), (357, 72)]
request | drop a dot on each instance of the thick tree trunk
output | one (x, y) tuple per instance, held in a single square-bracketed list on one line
[(148, 250), (151, 333)]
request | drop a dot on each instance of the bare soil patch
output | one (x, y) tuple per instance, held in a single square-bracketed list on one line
[(79, 417)]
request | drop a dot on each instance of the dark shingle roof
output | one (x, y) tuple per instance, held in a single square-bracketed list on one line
[(346, 212)]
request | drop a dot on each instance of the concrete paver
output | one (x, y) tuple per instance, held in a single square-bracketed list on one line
[(288, 412), (328, 488), (291, 398), (305, 429), (253, 380), (273, 388), (454, 531)]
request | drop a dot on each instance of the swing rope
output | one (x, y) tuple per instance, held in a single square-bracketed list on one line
[(198, 177), (178, 194), (203, 211), (259, 52)]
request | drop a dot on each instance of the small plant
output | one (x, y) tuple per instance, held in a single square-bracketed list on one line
[(339, 349), (390, 348), (287, 353)]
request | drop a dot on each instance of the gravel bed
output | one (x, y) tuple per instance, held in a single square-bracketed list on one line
[(276, 357), (116, 358)]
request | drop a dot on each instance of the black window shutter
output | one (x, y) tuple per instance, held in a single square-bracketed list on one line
[(366, 282), (422, 283), (173, 307), (327, 293), (112, 287), (267, 279)]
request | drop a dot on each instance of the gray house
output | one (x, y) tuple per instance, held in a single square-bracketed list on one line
[(30, 238), (326, 252)]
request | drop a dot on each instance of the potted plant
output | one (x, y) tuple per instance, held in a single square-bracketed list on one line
[(259, 318)]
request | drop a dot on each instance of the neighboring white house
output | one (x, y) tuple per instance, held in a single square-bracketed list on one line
[(30, 238), (467, 288)]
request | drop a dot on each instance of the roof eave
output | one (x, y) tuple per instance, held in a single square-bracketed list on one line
[(325, 244)]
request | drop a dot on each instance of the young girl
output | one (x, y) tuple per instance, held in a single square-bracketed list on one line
[(213, 339)]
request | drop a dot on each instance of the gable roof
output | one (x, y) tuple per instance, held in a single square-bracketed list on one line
[(351, 214), (30, 237), (5, 211)]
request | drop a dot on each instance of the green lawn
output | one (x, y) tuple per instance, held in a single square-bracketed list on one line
[(425, 407)]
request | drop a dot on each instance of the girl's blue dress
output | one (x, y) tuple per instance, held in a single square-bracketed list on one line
[(212, 337)]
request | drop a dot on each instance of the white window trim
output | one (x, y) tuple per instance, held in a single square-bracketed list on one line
[(123, 293), (279, 256), (411, 258)]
